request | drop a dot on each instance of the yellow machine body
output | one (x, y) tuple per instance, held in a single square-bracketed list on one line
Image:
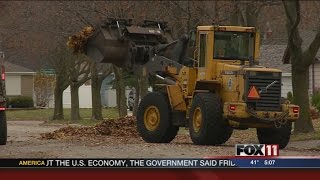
[(227, 78)]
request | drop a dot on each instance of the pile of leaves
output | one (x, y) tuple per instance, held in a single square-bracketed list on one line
[(121, 127), (77, 42)]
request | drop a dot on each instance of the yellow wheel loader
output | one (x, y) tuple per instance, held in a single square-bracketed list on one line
[(209, 81)]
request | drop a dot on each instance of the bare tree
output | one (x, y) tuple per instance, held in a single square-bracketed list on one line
[(300, 60), (120, 89), (98, 73), (60, 62), (141, 87), (79, 74), (246, 13)]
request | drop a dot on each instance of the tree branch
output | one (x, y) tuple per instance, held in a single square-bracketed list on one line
[(293, 20), (310, 54)]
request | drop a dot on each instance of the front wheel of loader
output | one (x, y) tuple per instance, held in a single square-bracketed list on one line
[(280, 136), (154, 121), (3, 128), (206, 123)]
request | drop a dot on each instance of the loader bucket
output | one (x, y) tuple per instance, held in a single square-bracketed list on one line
[(126, 45), (104, 46)]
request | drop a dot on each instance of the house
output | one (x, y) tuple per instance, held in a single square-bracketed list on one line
[(85, 98), (19, 80), (108, 94), (271, 53)]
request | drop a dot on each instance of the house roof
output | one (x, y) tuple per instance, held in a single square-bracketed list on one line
[(272, 51), (271, 56), (14, 68), (307, 38)]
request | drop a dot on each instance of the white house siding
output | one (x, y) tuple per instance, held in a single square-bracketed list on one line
[(85, 100), (109, 97), (316, 77), (67, 98), (13, 85), (286, 84)]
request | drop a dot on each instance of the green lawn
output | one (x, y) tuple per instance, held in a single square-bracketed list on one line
[(46, 114)]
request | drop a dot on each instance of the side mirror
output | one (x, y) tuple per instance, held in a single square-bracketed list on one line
[(192, 38)]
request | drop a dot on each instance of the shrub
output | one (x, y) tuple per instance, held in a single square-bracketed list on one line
[(315, 100), (290, 96), (314, 113), (20, 102)]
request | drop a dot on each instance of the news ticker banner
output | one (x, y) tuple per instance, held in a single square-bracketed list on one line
[(232, 162)]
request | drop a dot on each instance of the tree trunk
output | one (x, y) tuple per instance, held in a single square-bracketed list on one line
[(95, 93), (300, 83), (236, 14), (143, 85), (96, 100), (251, 15), (141, 88), (122, 99), (136, 99), (300, 60), (189, 17), (75, 113), (216, 12), (120, 88), (58, 104)]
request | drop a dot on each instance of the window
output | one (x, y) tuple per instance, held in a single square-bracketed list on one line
[(203, 49), (233, 45)]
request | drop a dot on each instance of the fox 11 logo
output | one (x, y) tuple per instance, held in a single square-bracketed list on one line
[(257, 150)]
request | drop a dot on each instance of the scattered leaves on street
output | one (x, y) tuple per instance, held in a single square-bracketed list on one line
[(122, 127)]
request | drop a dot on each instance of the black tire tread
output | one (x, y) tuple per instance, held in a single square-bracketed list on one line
[(214, 130), (279, 136), (166, 131), (3, 128)]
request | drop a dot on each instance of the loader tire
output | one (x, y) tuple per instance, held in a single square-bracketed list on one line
[(280, 136), (206, 123), (3, 128), (154, 122)]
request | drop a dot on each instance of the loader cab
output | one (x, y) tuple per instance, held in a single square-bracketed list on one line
[(224, 44)]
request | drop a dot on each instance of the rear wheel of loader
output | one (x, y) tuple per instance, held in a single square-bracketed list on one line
[(3, 128), (206, 123), (279, 136), (154, 119)]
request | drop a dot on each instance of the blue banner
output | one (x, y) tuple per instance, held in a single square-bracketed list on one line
[(217, 162), (277, 162)]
